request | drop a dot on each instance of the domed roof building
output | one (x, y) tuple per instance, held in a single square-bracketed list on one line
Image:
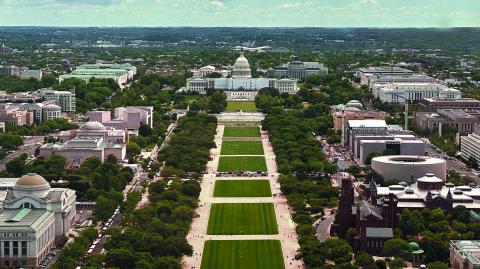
[(92, 139), (31, 184), (354, 103), (92, 126), (241, 68), (36, 217)]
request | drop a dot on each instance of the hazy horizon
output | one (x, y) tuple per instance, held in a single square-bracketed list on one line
[(242, 13)]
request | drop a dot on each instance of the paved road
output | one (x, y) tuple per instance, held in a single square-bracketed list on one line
[(323, 228), (30, 143), (452, 163)]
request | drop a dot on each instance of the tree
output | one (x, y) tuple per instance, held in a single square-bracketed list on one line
[(133, 149), (437, 265), (338, 250), (370, 156), (354, 170), (472, 163), (121, 258), (16, 167), (104, 208), (217, 102), (396, 248), (350, 236), (365, 261), (145, 130), (397, 263)]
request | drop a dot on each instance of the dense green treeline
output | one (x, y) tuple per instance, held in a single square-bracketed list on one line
[(189, 148), (154, 236)]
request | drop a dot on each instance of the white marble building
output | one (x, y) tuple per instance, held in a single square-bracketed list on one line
[(34, 218), (241, 86)]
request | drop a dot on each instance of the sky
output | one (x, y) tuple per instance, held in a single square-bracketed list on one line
[(242, 13)]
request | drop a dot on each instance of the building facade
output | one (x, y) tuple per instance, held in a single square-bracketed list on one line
[(433, 104), (35, 218), (65, 99), (373, 213), (409, 167), (130, 117), (463, 120), (465, 254), (15, 115), (470, 146), (121, 73), (398, 93), (297, 69), (92, 139), (367, 72), (241, 85)]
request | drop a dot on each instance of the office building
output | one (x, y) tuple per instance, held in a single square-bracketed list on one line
[(34, 219), (353, 111), (131, 70), (297, 69), (23, 73), (400, 145), (125, 118), (470, 146), (398, 93), (377, 80), (365, 73), (92, 139), (363, 127), (462, 120), (465, 254), (241, 85), (65, 99), (120, 73), (43, 111), (433, 104), (15, 115)]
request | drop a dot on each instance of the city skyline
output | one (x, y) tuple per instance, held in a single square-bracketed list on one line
[(242, 13)]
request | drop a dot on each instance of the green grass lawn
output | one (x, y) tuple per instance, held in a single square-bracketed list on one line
[(245, 106), (242, 254), (242, 219), (242, 188), (242, 163), (242, 148), (191, 98), (231, 131)]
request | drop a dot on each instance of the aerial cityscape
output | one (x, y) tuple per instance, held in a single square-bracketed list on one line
[(164, 134)]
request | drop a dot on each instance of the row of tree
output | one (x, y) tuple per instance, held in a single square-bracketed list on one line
[(154, 236), (189, 148)]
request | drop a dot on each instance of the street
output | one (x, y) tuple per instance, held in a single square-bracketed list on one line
[(452, 163), (30, 143)]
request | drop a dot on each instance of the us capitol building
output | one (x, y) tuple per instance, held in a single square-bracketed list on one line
[(241, 85), (34, 218)]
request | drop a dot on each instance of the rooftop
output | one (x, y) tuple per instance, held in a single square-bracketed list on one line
[(379, 232), (367, 124), (23, 217)]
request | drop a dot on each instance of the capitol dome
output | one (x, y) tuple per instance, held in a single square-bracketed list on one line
[(92, 126), (241, 68), (31, 184)]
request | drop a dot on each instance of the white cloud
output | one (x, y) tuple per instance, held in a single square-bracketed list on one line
[(290, 5), (217, 4), (368, 2)]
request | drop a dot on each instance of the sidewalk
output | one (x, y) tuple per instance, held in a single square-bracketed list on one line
[(198, 231)]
